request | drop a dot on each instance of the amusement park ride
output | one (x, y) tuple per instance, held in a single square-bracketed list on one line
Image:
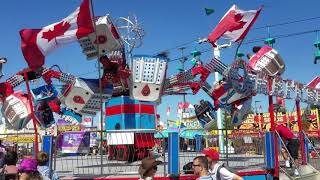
[(131, 93)]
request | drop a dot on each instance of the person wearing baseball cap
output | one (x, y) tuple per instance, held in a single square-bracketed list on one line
[(215, 169), (292, 145), (148, 168)]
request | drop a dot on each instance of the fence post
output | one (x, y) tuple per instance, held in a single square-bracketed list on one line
[(301, 137), (164, 148), (173, 153), (227, 148), (269, 151), (273, 128), (47, 146), (306, 147)]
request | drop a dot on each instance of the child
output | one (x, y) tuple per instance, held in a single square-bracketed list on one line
[(43, 168), (28, 170)]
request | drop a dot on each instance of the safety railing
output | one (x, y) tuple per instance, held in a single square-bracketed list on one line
[(313, 152), (78, 154), (22, 143), (241, 150), (121, 153), (282, 167), (191, 144), (244, 150)]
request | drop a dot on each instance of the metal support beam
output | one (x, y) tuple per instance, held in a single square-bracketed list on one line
[(301, 136), (273, 128), (33, 117)]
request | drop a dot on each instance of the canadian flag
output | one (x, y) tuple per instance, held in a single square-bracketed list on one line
[(37, 43), (234, 25)]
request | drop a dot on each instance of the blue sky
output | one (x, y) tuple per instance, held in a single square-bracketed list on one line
[(167, 25)]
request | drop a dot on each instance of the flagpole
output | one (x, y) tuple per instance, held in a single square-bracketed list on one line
[(239, 44), (216, 54), (183, 60), (100, 91)]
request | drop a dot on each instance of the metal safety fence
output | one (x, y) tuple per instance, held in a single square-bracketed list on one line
[(22, 143), (241, 150), (284, 150), (120, 154), (313, 150)]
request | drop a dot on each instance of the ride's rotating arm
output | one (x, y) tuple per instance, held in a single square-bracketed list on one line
[(48, 74)]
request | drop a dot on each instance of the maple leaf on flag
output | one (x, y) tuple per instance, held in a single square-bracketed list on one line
[(58, 30), (235, 21), (234, 25), (36, 44)]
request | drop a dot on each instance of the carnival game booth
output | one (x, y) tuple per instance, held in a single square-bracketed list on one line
[(190, 133), (21, 142), (130, 126), (258, 123)]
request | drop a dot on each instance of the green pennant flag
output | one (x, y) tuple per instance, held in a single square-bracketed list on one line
[(209, 11)]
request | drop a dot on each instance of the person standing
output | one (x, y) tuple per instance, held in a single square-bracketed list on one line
[(216, 170), (10, 170), (10, 160), (200, 168), (43, 168), (28, 170), (292, 145), (2, 154), (148, 168)]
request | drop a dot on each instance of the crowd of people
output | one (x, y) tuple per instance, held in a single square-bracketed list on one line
[(28, 169), (206, 167)]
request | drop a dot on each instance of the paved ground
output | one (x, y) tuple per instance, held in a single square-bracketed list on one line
[(90, 166)]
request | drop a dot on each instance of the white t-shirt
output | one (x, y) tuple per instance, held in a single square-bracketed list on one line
[(147, 178), (224, 173)]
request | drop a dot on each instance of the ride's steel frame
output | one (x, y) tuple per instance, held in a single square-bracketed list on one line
[(253, 82)]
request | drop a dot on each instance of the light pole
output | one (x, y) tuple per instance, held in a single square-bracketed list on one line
[(183, 60), (217, 77)]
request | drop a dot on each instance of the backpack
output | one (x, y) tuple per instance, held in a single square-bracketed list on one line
[(218, 175)]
